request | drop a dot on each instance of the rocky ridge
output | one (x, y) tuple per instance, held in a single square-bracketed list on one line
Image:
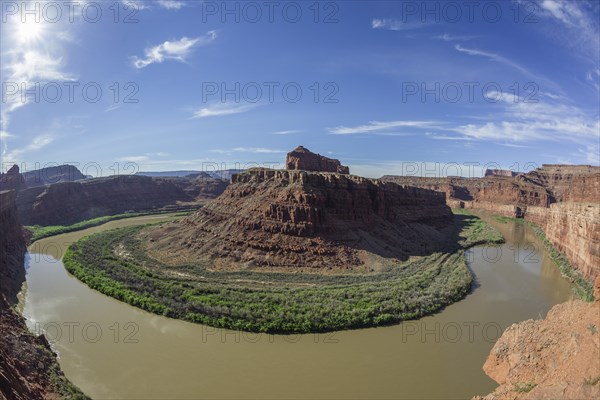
[(65, 203), (562, 199)]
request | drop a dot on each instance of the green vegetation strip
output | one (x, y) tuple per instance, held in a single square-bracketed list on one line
[(114, 263), (582, 288), (41, 232)]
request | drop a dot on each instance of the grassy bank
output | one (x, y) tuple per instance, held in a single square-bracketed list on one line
[(114, 263), (582, 288), (40, 232)]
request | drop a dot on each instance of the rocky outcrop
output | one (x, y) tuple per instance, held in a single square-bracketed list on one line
[(569, 183), (554, 358), (297, 219), (500, 172), (303, 159), (12, 179), (50, 175), (562, 199), (69, 202), (12, 248), (29, 369)]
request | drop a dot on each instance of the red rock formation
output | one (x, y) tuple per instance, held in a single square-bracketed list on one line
[(297, 219), (562, 199), (554, 358), (303, 159), (12, 179), (12, 247), (28, 367), (69, 202)]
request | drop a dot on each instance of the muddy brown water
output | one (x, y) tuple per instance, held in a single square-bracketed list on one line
[(114, 351)]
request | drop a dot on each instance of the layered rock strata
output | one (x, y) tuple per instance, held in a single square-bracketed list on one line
[(294, 219), (562, 199), (303, 159), (69, 202)]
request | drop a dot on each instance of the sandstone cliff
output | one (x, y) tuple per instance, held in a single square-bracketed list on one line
[(297, 219), (562, 199), (65, 203), (554, 358), (29, 369), (303, 159), (12, 179), (12, 248)]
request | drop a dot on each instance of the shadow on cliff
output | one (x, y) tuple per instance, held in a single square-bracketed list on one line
[(402, 241)]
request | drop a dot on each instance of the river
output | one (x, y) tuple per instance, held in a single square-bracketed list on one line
[(113, 350)]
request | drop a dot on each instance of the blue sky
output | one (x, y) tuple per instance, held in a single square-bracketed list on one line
[(387, 87)]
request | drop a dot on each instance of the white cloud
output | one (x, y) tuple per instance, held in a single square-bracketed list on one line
[(37, 143), (171, 4), (288, 132), (32, 54), (375, 127), (495, 57), (396, 25), (453, 38), (135, 4), (221, 109), (172, 50), (581, 24)]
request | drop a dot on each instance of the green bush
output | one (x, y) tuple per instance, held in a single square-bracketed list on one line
[(291, 303)]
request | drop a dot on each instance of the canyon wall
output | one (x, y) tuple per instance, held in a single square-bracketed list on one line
[(12, 247), (29, 369), (562, 199), (65, 203)]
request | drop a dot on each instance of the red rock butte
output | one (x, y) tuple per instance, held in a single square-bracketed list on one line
[(296, 218), (303, 159)]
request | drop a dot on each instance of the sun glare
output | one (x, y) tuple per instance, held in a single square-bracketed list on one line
[(28, 31)]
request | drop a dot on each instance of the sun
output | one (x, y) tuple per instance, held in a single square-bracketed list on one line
[(28, 31)]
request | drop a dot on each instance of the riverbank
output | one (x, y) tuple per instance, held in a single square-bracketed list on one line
[(582, 288), (29, 369), (425, 358), (40, 232), (551, 358), (116, 264)]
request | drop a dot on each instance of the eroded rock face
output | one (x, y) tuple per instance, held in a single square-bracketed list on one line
[(26, 362), (303, 159), (12, 179), (562, 199), (554, 358), (298, 219), (12, 247), (500, 172), (65, 203)]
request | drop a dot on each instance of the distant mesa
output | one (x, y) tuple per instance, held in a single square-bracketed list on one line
[(500, 172), (16, 180), (303, 159)]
